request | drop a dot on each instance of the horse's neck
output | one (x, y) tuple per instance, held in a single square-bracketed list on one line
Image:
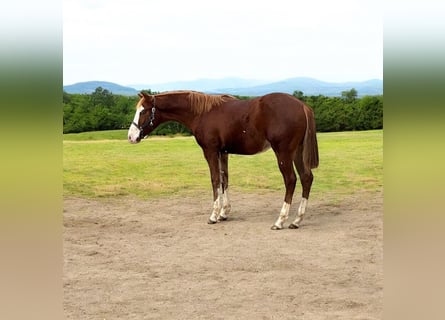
[(177, 108)]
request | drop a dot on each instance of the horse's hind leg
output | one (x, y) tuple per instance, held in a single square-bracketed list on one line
[(285, 163), (224, 173), (306, 179)]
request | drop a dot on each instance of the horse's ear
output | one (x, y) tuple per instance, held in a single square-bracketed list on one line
[(141, 95), (145, 94)]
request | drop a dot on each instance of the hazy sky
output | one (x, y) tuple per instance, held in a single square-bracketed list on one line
[(155, 41)]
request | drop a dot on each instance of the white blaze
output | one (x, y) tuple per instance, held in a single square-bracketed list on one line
[(133, 131)]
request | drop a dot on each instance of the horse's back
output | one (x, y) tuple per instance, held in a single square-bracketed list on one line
[(250, 126)]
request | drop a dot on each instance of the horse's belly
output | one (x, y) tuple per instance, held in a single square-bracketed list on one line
[(247, 147)]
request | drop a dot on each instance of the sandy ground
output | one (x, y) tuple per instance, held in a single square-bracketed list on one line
[(128, 258)]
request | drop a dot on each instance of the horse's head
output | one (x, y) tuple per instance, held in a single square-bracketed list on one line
[(144, 117)]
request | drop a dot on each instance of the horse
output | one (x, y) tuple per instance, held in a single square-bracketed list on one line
[(223, 125)]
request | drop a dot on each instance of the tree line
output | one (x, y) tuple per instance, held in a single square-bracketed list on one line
[(103, 110), (345, 113)]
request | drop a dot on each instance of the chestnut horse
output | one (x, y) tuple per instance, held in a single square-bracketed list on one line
[(223, 124)]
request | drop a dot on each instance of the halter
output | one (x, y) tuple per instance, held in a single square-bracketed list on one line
[(149, 122)]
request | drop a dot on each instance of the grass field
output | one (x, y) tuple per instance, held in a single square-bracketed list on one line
[(104, 164)]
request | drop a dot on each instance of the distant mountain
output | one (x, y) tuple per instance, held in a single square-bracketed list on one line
[(203, 85), (309, 86), (90, 87), (238, 86)]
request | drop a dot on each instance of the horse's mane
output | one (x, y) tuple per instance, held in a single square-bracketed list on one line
[(201, 102)]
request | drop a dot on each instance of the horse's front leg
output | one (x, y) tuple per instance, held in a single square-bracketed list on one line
[(224, 176), (213, 159)]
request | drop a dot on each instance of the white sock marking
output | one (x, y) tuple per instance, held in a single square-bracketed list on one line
[(216, 207), (284, 213), (225, 205), (301, 211)]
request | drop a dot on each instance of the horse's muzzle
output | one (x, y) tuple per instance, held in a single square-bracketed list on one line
[(134, 141)]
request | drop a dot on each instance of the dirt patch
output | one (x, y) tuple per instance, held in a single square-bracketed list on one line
[(128, 258)]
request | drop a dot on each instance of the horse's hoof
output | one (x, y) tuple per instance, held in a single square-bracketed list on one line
[(274, 227), (222, 218), (293, 226), (211, 222)]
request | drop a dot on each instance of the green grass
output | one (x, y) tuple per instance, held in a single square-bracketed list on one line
[(96, 135), (104, 164)]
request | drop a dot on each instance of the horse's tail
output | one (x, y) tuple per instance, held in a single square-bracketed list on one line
[(310, 144)]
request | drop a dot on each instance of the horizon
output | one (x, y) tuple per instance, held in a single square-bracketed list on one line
[(222, 78), (237, 86)]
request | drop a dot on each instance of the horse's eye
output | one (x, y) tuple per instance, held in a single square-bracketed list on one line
[(143, 111)]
